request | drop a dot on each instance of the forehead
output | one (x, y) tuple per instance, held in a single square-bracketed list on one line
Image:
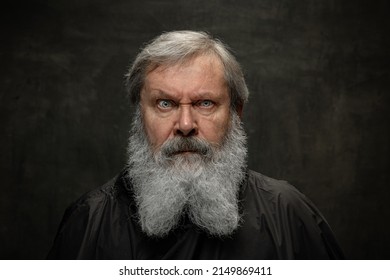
[(200, 73), (205, 60)]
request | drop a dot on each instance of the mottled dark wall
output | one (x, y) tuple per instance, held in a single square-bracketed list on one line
[(318, 72)]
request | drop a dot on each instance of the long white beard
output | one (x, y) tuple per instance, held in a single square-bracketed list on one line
[(204, 185)]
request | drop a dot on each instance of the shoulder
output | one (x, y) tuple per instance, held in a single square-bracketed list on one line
[(103, 192), (93, 200), (279, 196), (79, 229), (290, 217), (113, 194), (271, 187)]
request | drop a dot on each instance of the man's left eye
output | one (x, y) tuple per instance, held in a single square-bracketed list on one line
[(206, 103)]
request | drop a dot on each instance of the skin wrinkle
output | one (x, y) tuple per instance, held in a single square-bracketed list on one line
[(184, 85), (179, 48)]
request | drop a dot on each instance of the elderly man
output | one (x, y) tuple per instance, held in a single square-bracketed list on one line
[(186, 192)]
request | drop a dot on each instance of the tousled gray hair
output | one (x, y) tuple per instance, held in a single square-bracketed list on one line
[(176, 47)]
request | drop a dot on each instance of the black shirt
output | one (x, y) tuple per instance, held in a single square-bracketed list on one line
[(278, 222)]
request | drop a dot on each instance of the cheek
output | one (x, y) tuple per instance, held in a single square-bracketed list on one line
[(215, 130), (158, 130)]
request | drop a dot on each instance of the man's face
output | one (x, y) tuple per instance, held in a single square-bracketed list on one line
[(189, 99), (187, 150)]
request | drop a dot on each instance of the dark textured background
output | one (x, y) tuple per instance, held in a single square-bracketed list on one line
[(318, 72)]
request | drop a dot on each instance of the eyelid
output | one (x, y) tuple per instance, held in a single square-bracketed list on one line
[(212, 103), (170, 103)]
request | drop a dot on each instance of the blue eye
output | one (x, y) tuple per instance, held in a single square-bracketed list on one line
[(164, 104), (206, 103)]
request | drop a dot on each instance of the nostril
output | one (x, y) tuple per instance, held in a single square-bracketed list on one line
[(192, 132), (186, 133)]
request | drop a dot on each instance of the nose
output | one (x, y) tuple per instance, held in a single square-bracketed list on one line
[(186, 124)]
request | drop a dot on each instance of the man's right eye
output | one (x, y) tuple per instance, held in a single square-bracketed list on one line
[(164, 104)]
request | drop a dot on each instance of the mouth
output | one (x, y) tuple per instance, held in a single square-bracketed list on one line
[(186, 147), (185, 152)]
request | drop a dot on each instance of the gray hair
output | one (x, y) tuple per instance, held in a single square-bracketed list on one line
[(175, 47)]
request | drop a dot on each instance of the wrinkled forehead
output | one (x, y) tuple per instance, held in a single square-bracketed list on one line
[(201, 77), (164, 63)]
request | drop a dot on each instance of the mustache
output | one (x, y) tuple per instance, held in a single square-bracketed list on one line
[(181, 144)]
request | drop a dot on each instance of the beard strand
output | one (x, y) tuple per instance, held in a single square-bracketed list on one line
[(203, 184)]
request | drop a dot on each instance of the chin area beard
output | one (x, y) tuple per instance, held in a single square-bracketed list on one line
[(202, 184)]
